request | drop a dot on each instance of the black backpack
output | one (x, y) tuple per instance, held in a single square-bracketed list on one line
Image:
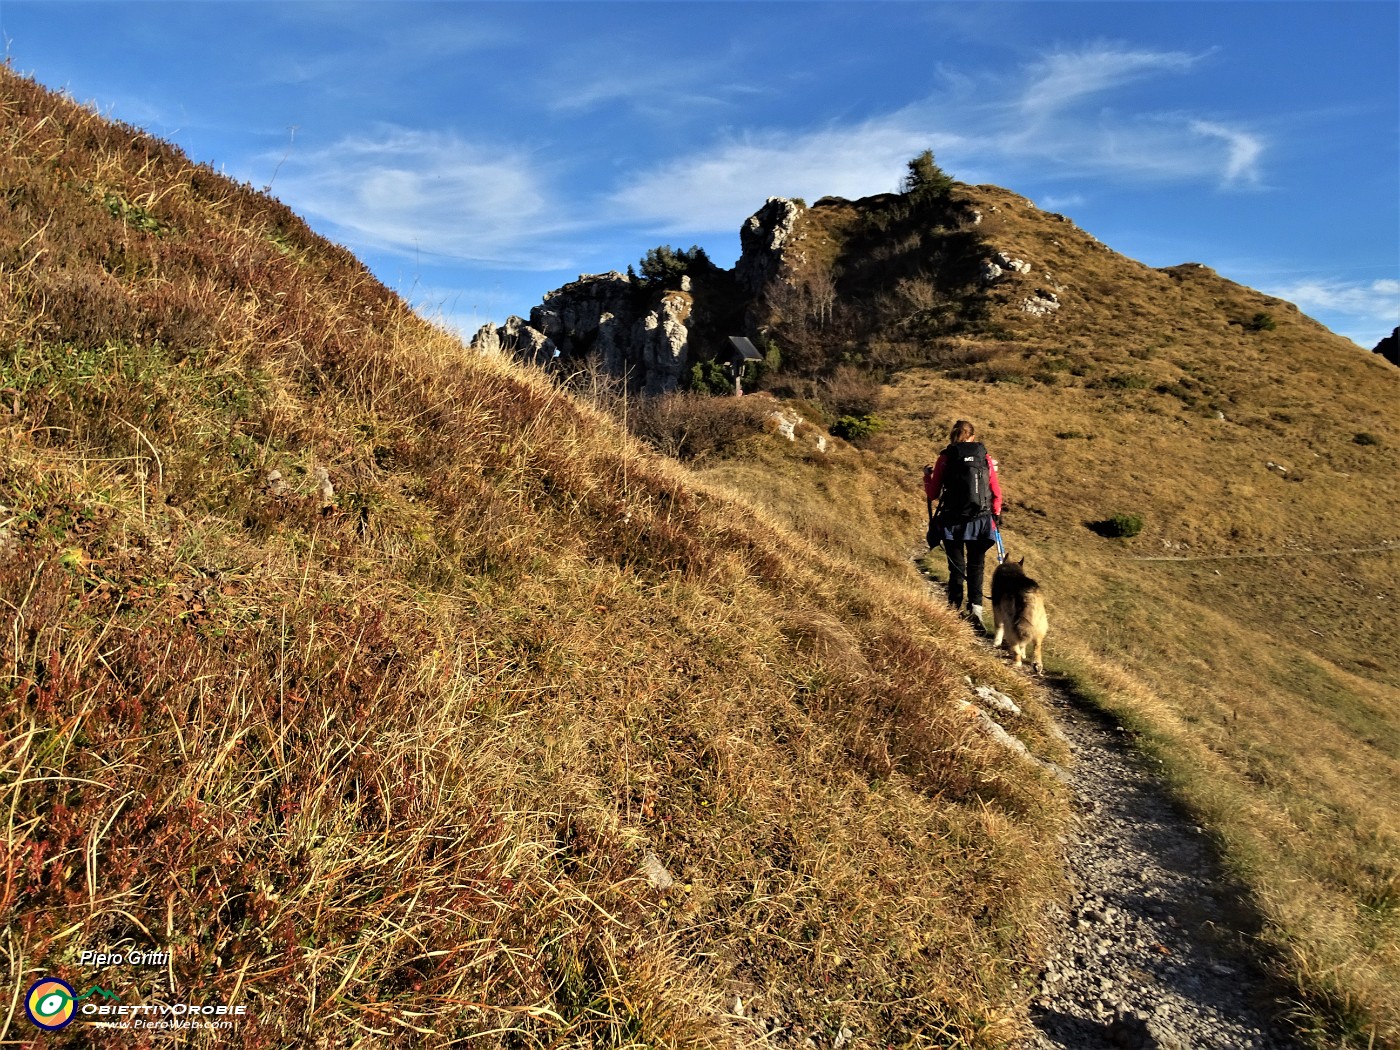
[(967, 484)]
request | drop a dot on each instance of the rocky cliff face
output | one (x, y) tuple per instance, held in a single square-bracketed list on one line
[(822, 283), (635, 332), (763, 239), (646, 334)]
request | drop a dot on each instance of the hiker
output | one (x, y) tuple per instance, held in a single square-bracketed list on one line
[(964, 483)]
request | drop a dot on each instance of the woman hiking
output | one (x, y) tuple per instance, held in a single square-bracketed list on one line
[(964, 483)]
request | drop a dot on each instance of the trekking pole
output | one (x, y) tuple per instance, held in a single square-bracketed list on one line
[(1001, 548)]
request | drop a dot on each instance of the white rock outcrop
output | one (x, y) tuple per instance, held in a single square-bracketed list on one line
[(762, 240), (1000, 264), (1041, 303)]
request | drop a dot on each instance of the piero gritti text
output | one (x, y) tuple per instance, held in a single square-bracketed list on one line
[(132, 958)]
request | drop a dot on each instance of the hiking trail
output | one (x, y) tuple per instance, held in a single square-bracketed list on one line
[(1155, 947)]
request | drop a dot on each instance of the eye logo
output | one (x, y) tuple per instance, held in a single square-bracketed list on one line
[(49, 1003)]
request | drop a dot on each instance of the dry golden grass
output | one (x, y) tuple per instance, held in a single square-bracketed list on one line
[(1264, 671), (388, 766)]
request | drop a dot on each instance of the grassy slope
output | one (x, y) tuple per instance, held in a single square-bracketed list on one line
[(1270, 684), (388, 767)]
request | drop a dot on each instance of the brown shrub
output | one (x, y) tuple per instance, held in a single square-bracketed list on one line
[(690, 426)]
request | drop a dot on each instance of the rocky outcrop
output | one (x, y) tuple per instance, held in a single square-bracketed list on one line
[(583, 312), (515, 338), (611, 316), (762, 239), (1041, 303), (1389, 347), (660, 343), (645, 331), (999, 264)]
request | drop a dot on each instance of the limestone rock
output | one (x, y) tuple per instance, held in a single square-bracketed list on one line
[(607, 316), (324, 488), (1041, 303), (486, 340), (571, 316), (660, 341), (997, 699), (1005, 261), (996, 267), (656, 874), (517, 338), (762, 240), (786, 424)]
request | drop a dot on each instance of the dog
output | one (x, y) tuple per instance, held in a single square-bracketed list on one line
[(1018, 611)]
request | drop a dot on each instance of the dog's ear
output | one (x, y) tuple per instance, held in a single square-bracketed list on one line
[(1022, 562)]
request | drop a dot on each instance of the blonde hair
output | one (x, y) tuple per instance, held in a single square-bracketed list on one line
[(962, 431)]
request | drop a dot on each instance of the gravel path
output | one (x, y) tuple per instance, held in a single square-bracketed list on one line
[(1154, 949)]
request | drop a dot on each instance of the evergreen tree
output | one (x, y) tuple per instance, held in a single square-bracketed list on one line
[(666, 265), (926, 181)]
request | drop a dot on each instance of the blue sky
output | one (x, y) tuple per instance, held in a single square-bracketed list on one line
[(477, 155)]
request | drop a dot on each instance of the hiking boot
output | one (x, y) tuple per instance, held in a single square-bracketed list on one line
[(974, 617)]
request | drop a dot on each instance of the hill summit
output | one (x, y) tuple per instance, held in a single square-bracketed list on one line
[(1205, 481), (887, 282)]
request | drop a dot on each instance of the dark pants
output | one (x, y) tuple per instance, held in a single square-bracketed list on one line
[(967, 561)]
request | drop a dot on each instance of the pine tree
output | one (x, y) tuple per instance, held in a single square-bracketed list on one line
[(926, 181)]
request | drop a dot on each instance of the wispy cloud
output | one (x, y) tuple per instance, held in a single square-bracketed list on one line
[(1064, 78), (411, 192), (1071, 109), (1378, 298), (1364, 311), (651, 90), (715, 190), (1042, 123), (644, 83), (1243, 150)]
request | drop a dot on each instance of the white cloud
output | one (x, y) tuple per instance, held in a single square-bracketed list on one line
[(1378, 298), (1058, 203), (1037, 124), (1244, 150), (413, 192), (717, 189), (1364, 311), (1064, 78), (667, 92)]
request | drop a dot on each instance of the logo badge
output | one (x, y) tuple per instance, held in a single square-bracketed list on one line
[(49, 1003)]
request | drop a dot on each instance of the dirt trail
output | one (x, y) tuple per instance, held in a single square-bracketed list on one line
[(1156, 947), (1154, 950)]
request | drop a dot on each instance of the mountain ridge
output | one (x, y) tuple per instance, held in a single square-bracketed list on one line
[(889, 282)]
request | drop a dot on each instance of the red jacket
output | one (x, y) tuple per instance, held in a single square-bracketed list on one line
[(934, 482)]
